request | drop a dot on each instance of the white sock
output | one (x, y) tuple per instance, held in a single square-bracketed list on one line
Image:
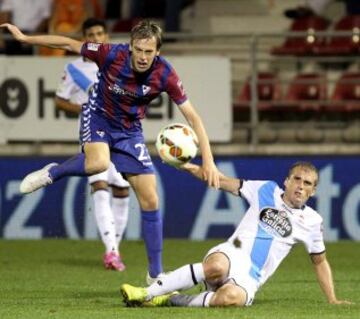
[(200, 300), (104, 219), (182, 278), (120, 208)]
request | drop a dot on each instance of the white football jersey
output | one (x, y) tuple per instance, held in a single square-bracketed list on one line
[(270, 228), (79, 76)]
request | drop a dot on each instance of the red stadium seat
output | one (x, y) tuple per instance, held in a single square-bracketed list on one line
[(268, 91), (307, 92), (346, 95), (344, 45), (303, 45), (124, 25)]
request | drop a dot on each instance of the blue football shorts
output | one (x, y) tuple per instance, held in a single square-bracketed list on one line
[(127, 148)]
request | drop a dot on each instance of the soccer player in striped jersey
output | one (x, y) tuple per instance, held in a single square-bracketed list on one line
[(233, 271), (130, 77), (111, 206)]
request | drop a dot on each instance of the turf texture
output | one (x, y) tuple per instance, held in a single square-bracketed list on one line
[(66, 279)]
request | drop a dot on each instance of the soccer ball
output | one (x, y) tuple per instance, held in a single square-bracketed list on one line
[(177, 144)]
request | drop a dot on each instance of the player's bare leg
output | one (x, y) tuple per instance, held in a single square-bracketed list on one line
[(97, 157)]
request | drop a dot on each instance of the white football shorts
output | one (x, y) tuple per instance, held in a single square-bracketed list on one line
[(240, 265)]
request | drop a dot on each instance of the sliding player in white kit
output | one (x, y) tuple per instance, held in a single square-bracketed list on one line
[(110, 207), (234, 271)]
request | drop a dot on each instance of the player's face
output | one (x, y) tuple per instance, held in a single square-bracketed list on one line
[(299, 186), (96, 34), (144, 52)]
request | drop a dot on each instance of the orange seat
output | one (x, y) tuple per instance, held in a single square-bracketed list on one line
[(343, 44), (303, 45), (307, 91)]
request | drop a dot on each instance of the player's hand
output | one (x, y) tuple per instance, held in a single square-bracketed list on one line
[(211, 174), (15, 31)]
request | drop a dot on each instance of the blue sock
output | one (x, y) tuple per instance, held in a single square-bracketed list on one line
[(152, 231), (74, 166)]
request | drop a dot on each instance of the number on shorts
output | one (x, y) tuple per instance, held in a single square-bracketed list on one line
[(144, 155)]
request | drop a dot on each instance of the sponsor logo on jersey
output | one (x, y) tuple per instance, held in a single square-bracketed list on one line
[(93, 46), (276, 222), (119, 90)]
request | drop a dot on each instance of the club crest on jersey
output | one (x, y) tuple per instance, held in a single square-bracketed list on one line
[(146, 89), (100, 133), (275, 222), (93, 46)]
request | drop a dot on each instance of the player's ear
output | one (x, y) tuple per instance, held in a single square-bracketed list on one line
[(286, 181), (157, 52)]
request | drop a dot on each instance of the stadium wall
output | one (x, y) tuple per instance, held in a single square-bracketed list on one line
[(190, 209)]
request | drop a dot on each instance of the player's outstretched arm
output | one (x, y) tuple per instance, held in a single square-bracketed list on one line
[(324, 276), (210, 171), (67, 106), (228, 184), (52, 41)]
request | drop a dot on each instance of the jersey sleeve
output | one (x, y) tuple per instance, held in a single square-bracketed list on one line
[(66, 85), (96, 52), (175, 88), (315, 244), (249, 190)]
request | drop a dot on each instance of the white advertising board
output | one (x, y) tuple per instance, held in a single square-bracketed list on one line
[(28, 85)]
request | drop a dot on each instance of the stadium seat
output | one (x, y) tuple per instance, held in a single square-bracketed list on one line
[(303, 45), (307, 92), (124, 25), (268, 90), (342, 45), (346, 95)]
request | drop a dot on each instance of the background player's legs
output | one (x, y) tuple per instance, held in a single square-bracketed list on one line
[(144, 186), (106, 224), (120, 208)]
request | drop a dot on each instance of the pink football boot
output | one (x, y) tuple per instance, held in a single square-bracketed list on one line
[(113, 261)]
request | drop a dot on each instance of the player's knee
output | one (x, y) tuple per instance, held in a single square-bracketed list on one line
[(95, 167), (149, 202), (216, 268), (229, 295), (120, 191), (99, 185)]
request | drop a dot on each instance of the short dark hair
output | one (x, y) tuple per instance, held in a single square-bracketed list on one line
[(92, 22), (306, 165), (147, 29)]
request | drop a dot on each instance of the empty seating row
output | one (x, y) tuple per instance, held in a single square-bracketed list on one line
[(314, 44), (307, 91)]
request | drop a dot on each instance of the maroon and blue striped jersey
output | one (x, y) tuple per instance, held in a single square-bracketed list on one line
[(122, 95)]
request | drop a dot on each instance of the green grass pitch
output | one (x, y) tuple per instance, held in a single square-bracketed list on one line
[(65, 279)]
